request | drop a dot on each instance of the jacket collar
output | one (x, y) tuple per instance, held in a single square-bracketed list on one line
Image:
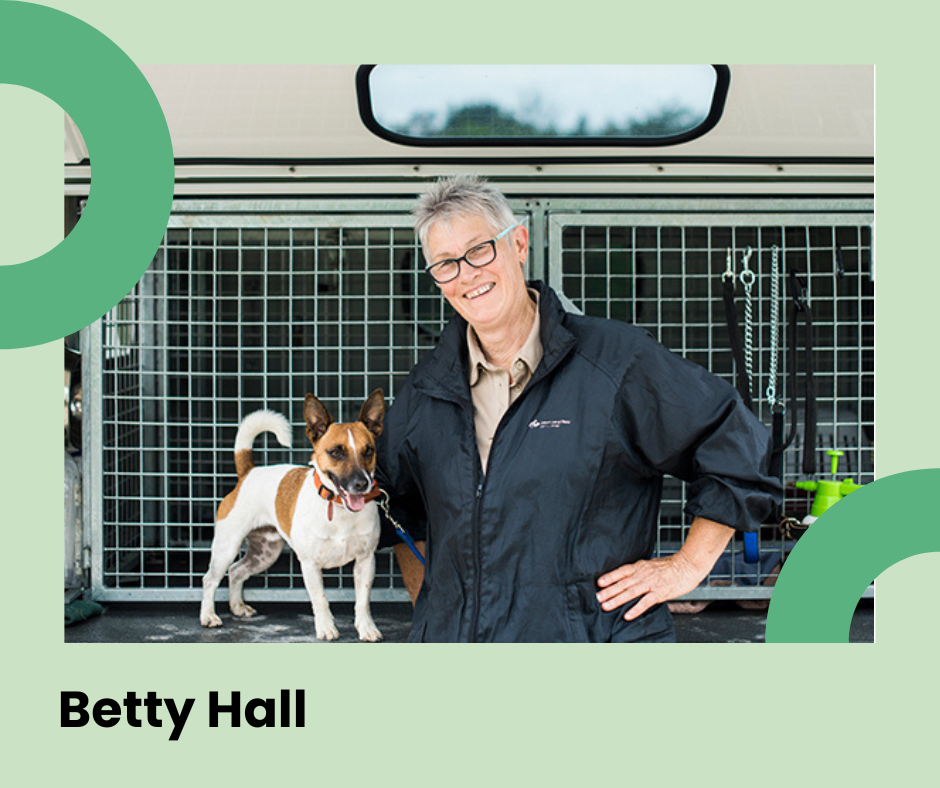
[(446, 373)]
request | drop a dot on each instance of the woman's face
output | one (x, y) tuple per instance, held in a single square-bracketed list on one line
[(490, 298)]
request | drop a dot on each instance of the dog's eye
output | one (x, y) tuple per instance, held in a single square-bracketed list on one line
[(338, 453), (368, 451)]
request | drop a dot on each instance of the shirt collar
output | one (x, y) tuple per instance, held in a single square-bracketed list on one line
[(529, 354), (443, 371)]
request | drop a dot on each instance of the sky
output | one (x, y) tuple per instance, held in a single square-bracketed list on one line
[(600, 93)]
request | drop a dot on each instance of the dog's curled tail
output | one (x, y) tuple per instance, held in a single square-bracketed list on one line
[(251, 427)]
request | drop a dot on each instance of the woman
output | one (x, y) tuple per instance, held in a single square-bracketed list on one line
[(529, 448)]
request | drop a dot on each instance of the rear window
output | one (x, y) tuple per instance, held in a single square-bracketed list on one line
[(541, 105)]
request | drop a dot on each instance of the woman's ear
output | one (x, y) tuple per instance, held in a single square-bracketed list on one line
[(520, 243)]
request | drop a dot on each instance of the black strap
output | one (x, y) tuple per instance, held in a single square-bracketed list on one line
[(776, 457), (791, 362), (801, 307), (809, 428), (737, 345)]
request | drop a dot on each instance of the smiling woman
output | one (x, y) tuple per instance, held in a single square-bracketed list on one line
[(546, 535)]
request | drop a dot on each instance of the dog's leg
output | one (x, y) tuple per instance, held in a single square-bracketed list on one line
[(363, 575), (229, 534), (322, 617), (264, 547)]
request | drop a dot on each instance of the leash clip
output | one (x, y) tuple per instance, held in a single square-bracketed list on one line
[(798, 286), (402, 533), (747, 275), (729, 269)]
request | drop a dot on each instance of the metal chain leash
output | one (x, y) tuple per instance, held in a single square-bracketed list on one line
[(747, 280), (771, 392)]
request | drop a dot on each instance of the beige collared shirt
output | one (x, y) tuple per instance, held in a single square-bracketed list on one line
[(493, 389)]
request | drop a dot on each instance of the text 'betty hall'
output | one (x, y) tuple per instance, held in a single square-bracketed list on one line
[(257, 712)]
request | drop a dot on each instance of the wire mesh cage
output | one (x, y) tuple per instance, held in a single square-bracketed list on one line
[(249, 307), (248, 312), (664, 272)]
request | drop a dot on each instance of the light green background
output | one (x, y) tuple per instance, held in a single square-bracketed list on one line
[(553, 715)]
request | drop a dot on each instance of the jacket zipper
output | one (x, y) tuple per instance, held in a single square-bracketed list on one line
[(449, 393), (477, 560), (477, 503)]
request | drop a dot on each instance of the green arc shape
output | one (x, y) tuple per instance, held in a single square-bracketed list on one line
[(867, 532), (91, 78)]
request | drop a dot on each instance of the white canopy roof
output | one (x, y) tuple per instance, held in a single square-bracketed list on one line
[(253, 112)]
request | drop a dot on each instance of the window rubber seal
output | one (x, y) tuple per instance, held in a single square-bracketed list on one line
[(364, 100)]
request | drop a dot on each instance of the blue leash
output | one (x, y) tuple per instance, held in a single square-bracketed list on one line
[(402, 533)]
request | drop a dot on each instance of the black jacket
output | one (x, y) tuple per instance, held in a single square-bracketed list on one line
[(574, 479)]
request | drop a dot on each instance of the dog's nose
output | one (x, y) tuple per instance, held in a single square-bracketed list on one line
[(360, 486)]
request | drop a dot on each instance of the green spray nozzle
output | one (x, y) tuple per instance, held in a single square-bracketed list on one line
[(835, 454), (828, 491)]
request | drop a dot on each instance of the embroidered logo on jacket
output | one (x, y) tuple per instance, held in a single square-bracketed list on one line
[(535, 424)]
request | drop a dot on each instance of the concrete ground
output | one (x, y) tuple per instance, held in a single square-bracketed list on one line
[(721, 622)]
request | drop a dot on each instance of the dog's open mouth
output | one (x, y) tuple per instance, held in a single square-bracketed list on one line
[(353, 502)]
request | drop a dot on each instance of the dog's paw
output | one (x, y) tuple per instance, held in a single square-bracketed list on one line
[(243, 610), (327, 631), (368, 631), (210, 620)]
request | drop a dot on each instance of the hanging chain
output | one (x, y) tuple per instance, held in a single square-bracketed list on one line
[(747, 279), (774, 328)]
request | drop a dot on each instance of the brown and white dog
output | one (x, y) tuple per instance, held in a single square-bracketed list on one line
[(325, 513)]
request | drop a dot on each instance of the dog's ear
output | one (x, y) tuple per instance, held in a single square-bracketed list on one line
[(373, 412), (318, 418)]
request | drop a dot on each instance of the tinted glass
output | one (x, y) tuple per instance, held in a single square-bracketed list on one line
[(541, 102)]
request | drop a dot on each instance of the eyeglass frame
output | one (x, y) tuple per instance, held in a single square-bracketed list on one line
[(463, 258)]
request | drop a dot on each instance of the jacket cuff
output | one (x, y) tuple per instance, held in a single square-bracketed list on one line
[(741, 508)]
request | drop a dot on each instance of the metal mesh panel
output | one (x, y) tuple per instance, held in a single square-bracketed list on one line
[(250, 306), (229, 319), (664, 273)]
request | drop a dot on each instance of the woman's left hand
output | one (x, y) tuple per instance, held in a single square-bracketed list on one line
[(661, 579), (651, 582)]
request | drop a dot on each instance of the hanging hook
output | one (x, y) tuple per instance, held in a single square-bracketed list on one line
[(747, 275), (729, 270)]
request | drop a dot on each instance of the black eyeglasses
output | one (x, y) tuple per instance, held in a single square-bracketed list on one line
[(479, 256)]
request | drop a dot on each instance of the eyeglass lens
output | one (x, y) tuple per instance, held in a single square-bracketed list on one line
[(479, 255)]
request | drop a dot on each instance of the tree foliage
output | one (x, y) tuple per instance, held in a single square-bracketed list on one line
[(488, 120)]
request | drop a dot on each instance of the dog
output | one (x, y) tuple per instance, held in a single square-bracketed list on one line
[(326, 512)]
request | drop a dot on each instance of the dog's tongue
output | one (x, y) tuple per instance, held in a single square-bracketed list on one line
[(354, 502)]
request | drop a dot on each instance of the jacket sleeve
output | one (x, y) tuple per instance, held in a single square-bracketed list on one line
[(394, 473), (684, 421)]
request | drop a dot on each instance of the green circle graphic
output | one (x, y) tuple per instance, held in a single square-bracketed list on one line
[(856, 540), (128, 141)]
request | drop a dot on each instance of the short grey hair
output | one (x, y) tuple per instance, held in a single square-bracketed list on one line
[(461, 195)]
